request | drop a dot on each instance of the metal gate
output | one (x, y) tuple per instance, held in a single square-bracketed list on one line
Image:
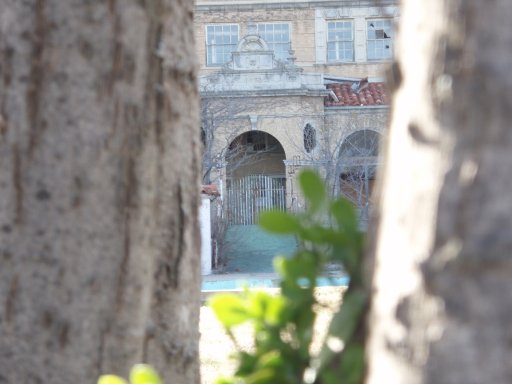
[(248, 196)]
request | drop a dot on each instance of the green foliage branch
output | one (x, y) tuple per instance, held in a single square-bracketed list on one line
[(328, 232)]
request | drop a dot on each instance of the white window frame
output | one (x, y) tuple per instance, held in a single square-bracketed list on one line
[(282, 54), (341, 44), (226, 47), (379, 42)]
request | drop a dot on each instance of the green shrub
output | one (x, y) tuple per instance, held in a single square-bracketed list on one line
[(328, 232)]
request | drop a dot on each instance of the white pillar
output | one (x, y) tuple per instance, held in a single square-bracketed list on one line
[(206, 243)]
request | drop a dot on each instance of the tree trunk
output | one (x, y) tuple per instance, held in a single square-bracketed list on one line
[(441, 310), (99, 177)]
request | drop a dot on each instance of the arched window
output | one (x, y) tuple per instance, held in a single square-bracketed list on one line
[(361, 144), (357, 166), (309, 138)]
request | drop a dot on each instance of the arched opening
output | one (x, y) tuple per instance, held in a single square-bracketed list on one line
[(255, 181), (255, 153), (255, 177), (357, 165)]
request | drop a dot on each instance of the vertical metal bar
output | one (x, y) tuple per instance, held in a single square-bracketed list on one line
[(243, 190), (238, 202), (234, 201), (248, 200)]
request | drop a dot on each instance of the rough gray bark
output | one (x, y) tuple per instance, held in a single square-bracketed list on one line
[(442, 310), (99, 177)]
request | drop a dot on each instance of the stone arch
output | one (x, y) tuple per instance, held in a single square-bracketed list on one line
[(255, 152), (255, 177), (361, 143), (357, 165), (252, 43)]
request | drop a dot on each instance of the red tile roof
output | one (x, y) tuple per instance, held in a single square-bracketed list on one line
[(365, 95), (210, 190)]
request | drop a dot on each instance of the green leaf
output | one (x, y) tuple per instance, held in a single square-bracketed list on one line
[(295, 269), (275, 311), (320, 235), (246, 363), (346, 255), (230, 309), (111, 379), (279, 264), (144, 374), (313, 188), (352, 365), (345, 215), (224, 380), (279, 222), (265, 307), (330, 377), (344, 322), (262, 376), (272, 359)]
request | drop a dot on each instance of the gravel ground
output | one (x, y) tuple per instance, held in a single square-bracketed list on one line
[(216, 348)]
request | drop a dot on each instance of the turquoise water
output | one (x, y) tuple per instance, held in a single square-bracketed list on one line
[(249, 252), (254, 282), (249, 249)]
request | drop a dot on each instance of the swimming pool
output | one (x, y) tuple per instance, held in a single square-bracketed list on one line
[(224, 283)]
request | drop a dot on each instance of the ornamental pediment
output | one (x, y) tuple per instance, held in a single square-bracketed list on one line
[(252, 53)]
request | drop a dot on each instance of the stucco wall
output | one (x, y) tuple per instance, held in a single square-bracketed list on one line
[(283, 117)]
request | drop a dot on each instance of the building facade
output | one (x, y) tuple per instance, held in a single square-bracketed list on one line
[(287, 85), (350, 38)]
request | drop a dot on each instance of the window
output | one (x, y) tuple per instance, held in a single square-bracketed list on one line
[(363, 145), (261, 141), (358, 162), (254, 141), (309, 138), (340, 41), (221, 40), (277, 37), (380, 39)]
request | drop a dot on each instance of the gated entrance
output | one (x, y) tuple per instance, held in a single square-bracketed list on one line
[(250, 195)]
